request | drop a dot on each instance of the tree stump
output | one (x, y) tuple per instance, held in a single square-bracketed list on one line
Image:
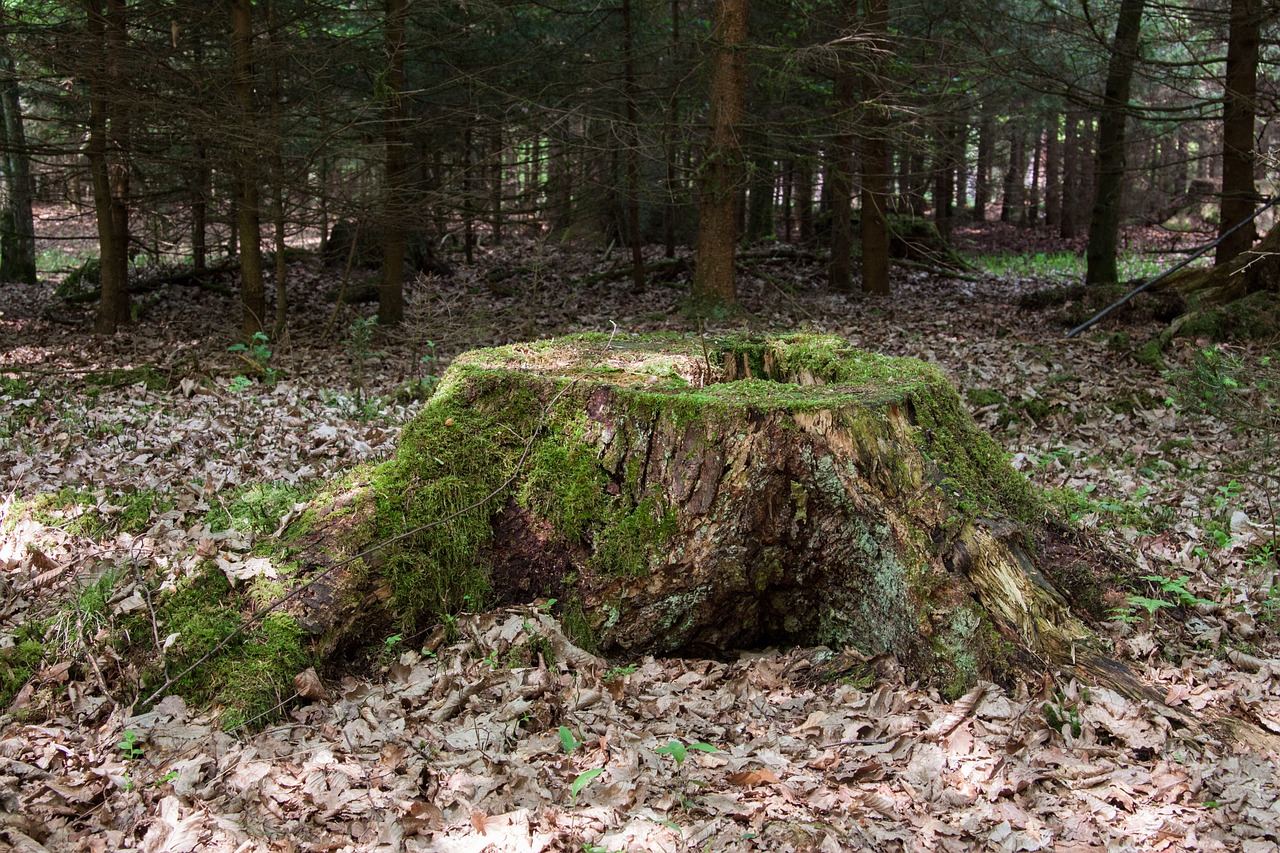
[(681, 496)]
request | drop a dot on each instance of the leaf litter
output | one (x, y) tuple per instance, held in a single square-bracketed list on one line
[(456, 745)]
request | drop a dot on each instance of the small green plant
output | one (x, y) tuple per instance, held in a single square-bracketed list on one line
[(130, 748), (621, 671), (679, 752), (257, 356), (1059, 715), (1241, 390), (360, 347), (582, 780), (567, 741), (1177, 588)]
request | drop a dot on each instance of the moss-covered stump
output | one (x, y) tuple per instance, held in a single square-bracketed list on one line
[(675, 495)]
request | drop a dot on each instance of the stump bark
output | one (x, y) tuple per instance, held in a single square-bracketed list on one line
[(674, 495)]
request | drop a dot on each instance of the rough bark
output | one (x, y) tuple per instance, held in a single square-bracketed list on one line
[(874, 225), (1104, 225), (113, 306), (982, 179), (391, 291), (713, 284), (1053, 174), (676, 495), (840, 176), (249, 227), (17, 224), (1239, 195)]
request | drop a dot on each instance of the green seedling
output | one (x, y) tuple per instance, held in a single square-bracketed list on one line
[(583, 780), (568, 741), (680, 752), (129, 747)]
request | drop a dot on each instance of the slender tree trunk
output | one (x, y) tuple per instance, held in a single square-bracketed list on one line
[(840, 176), (252, 294), (876, 163), (119, 141), (1014, 177), (17, 224), (632, 138), (982, 180), (760, 206), (943, 178), (804, 199), (113, 306), (1053, 174), (1239, 195), (960, 163), (713, 283), (277, 172), (468, 202), (1072, 186), (670, 210), (391, 291), (496, 191), (1104, 225), (916, 180), (1031, 213)]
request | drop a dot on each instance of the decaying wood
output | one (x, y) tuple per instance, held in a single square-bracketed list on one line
[(737, 493)]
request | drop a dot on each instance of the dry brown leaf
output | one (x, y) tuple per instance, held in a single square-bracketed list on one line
[(753, 778)]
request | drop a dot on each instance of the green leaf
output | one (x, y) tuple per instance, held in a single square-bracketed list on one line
[(583, 780), (568, 741), (675, 749), (703, 747)]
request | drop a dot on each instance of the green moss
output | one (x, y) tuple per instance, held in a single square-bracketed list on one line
[(629, 538), (565, 485), (979, 397), (146, 375), (454, 466), (18, 663), (251, 676), (259, 507), (1255, 316)]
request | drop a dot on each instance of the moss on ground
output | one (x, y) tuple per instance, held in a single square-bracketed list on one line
[(249, 678)]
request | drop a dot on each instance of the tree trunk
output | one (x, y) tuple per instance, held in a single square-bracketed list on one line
[(1031, 213), (113, 306), (17, 224), (943, 182), (395, 208), (876, 166), (632, 138), (252, 295), (1014, 177), (1072, 186), (982, 179), (1239, 196), (760, 205), (713, 283), (803, 200), (1053, 175), (277, 172), (1104, 226), (847, 501), (840, 176)]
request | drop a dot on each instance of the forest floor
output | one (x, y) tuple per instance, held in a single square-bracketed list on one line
[(135, 458)]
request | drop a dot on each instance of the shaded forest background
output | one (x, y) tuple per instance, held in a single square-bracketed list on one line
[(210, 140)]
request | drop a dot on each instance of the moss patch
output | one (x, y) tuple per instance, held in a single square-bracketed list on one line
[(250, 678)]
